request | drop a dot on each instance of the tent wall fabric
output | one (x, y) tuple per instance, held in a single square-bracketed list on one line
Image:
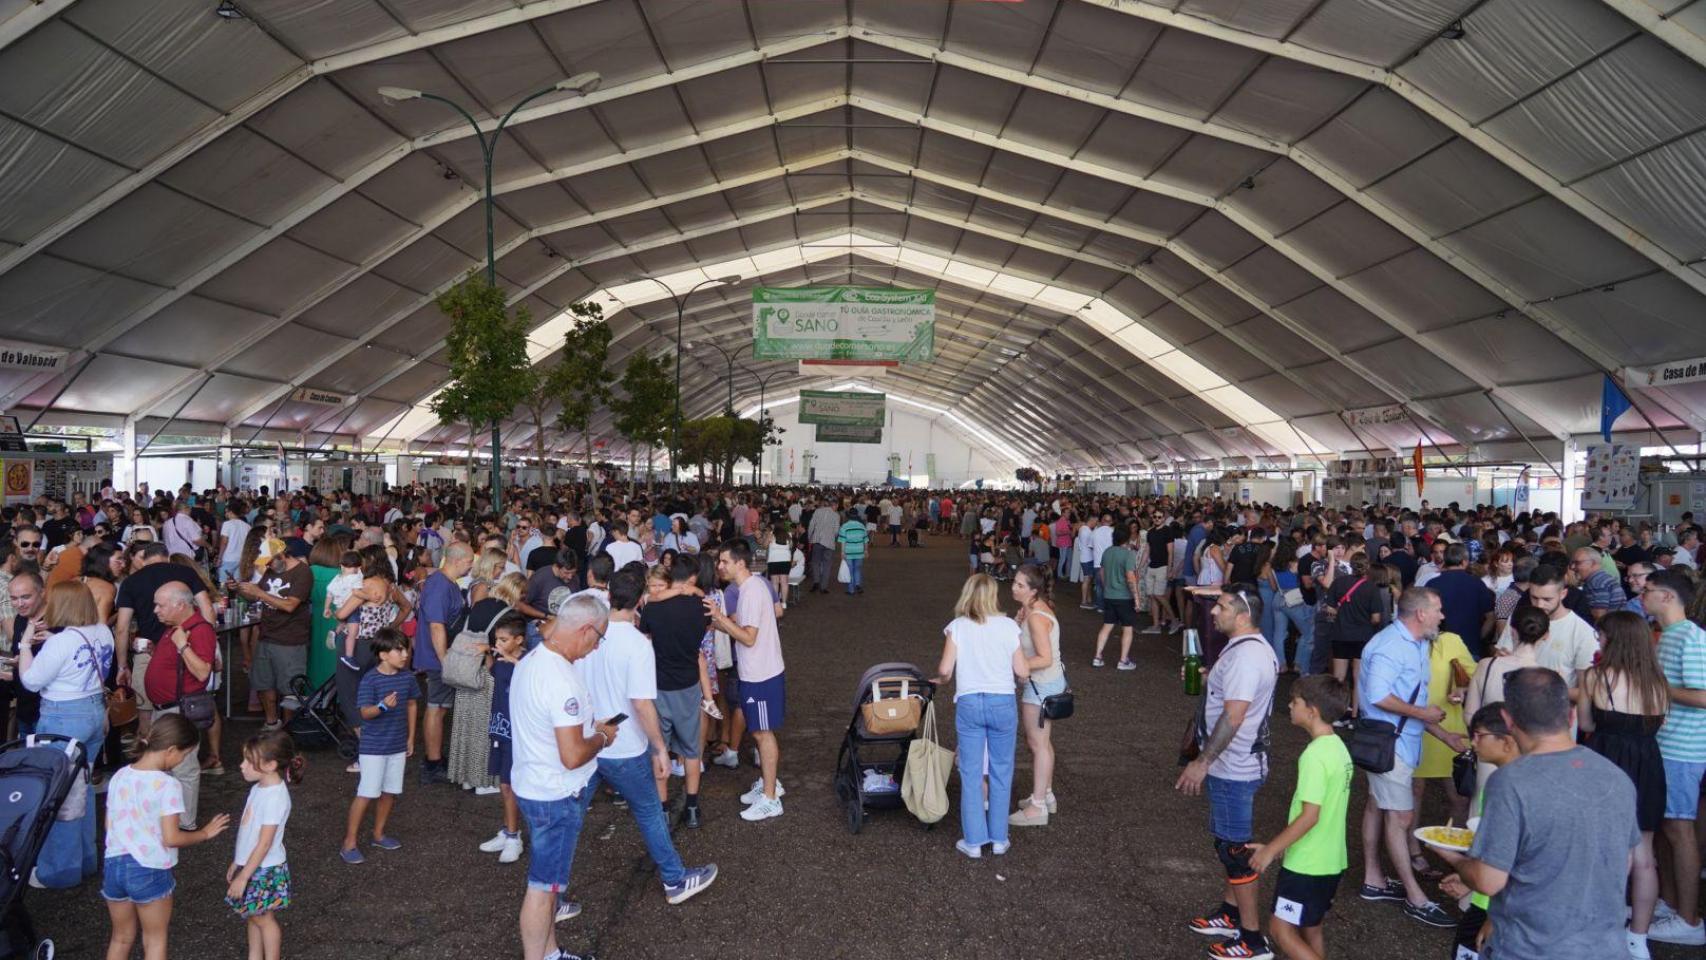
[(1160, 231)]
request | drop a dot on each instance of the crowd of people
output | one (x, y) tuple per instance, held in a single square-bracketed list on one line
[(584, 639)]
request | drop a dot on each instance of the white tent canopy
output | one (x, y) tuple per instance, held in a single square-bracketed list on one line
[(1160, 231)]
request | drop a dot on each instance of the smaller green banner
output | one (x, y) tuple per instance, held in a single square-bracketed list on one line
[(848, 433)]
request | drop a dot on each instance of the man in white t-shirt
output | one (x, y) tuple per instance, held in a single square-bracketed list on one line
[(555, 743), (622, 677), (762, 696), (233, 533), (1101, 538), (621, 549), (1571, 643)]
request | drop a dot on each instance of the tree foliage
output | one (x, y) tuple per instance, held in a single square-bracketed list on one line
[(646, 409), (486, 346), (584, 380)]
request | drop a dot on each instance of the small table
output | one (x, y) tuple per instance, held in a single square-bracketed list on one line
[(228, 629)]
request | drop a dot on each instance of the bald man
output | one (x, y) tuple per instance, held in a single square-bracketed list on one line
[(442, 611), (186, 638)]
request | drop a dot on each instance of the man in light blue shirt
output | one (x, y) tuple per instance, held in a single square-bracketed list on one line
[(1394, 688)]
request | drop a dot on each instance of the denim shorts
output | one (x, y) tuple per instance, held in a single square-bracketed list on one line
[(1682, 789), (1042, 688), (554, 827), (123, 880), (1231, 805)]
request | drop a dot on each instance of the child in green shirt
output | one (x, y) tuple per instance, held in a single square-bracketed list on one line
[(1491, 737), (1313, 843)]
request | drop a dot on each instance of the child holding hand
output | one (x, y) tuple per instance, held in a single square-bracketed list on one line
[(258, 880)]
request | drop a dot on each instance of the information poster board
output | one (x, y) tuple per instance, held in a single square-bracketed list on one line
[(843, 323), (843, 408), (1613, 478)]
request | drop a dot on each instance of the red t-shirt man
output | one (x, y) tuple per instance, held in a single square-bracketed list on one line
[(161, 681)]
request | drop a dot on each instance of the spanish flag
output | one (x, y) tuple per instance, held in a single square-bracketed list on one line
[(1416, 460)]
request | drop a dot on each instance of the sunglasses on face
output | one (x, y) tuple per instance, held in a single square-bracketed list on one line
[(29, 544)]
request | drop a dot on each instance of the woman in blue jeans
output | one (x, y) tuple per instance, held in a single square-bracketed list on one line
[(69, 673), (1280, 615), (982, 647)]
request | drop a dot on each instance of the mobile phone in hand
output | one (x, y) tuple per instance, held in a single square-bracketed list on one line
[(616, 721)]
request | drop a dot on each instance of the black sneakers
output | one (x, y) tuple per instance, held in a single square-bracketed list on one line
[(1217, 922), (1245, 946), (1393, 891), (1430, 913)]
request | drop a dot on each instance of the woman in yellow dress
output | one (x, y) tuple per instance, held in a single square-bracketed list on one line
[(1451, 666)]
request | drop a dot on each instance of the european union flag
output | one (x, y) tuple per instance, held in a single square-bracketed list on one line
[(1613, 402)]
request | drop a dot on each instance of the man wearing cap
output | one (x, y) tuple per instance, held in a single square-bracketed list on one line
[(286, 617)]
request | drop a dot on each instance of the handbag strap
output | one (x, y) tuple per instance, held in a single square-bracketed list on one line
[(1412, 702), (1346, 598)]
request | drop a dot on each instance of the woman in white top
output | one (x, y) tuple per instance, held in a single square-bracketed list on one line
[(1039, 641), (69, 671), (679, 538), (1500, 570), (1529, 628), (983, 646)]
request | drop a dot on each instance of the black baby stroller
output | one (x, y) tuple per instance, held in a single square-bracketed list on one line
[(872, 762), (36, 776), (319, 722)]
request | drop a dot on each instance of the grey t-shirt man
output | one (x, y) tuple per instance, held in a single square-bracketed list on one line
[(1245, 671), (1561, 825)]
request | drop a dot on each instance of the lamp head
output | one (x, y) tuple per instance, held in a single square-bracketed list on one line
[(397, 94), (582, 83), (730, 279)]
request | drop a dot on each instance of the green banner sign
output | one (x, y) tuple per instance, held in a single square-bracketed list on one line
[(844, 433), (843, 323), (843, 408)]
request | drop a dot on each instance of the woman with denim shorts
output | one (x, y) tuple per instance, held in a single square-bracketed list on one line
[(1039, 640)]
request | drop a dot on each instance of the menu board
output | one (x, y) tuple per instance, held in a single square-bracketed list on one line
[(1613, 476)]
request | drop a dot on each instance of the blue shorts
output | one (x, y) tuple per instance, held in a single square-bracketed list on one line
[(1231, 804), (1033, 691), (554, 827), (1682, 789), (764, 702), (1087, 567), (123, 880)]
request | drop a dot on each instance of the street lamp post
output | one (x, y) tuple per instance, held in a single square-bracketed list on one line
[(680, 313), (580, 83), (763, 384), (729, 408)]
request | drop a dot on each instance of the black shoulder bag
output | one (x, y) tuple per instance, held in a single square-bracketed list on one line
[(1373, 744), (198, 708), (1465, 767)]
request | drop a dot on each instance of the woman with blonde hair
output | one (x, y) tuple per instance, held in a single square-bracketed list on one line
[(69, 671), (470, 721), (488, 567), (984, 647)]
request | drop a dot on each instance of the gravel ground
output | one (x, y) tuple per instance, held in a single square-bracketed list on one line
[(1125, 862)]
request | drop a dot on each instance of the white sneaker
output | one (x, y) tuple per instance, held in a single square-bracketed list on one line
[(496, 843), (485, 791), (512, 849), (1673, 929), (35, 881), (1152, 628), (1660, 910), (1637, 947), (999, 848), (567, 910), (975, 853), (764, 809), (676, 769), (727, 758), (757, 792)]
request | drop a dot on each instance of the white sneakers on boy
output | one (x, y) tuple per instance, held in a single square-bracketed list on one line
[(764, 809), (757, 792)]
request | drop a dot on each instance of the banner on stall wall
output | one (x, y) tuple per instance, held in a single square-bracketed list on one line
[(843, 323), (1377, 416), (845, 408), (1691, 370), (21, 355), (19, 480), (848, 433)]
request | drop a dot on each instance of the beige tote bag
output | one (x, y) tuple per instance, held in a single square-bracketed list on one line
[(928, 766)]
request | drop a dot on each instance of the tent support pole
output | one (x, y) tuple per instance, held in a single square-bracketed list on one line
[(1507, 418)]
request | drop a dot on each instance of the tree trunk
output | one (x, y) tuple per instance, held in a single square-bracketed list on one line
[(651, 479), (633, 468), (468, 471), (539, 450), (591, 476)]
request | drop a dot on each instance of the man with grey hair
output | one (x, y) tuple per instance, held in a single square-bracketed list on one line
[(1394, 688), (556, 742), (182, 664), (442, 612)]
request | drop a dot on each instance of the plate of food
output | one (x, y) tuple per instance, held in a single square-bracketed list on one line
[(1448, 837)]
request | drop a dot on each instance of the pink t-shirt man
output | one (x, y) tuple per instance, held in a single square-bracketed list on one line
[(753, 608)]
